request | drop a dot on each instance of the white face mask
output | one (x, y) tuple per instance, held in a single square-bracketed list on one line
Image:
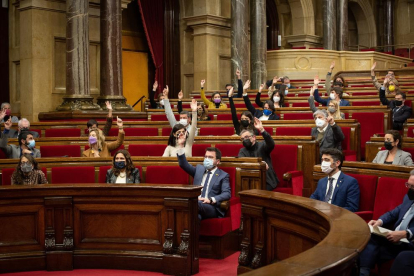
[(276, 99), (162, 102), (184, 122), (332, 96), (286, 92), (319, 122), (326, 167)]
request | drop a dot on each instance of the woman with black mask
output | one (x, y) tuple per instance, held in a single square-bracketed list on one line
[(393, 155), (246, 119), (123, 170)]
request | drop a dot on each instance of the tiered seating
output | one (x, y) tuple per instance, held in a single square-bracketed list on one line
[(58, 151), (146, 150), (62, 132), (69, 175)]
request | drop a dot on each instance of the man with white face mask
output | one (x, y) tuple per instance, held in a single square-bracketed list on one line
[(337, 188), (327, 132), (336, 94), (185, 116)]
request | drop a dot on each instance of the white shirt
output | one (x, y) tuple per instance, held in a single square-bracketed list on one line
[(121, 180), (323, 128), (335, 176), (208, 184), (264, 118)]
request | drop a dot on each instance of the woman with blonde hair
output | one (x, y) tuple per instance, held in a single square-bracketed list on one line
[(98, 146)]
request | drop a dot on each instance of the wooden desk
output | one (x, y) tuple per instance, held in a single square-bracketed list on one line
[(84, 226), (375, 144), (289, 235)]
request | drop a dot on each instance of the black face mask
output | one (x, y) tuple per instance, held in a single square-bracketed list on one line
[(245, 123), (410, 194), (398, 103), (247, 143), (25, 129), (388, 145)]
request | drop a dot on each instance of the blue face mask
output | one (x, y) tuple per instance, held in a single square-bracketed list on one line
[(208, 163), (31, 144), (119, 165), (286, 92), (267, 112)]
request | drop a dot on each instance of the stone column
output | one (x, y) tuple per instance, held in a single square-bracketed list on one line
[(77, 58), (329, 24), (111, 56), (342, 19), (239, 39), (258, 44), (389, 25)]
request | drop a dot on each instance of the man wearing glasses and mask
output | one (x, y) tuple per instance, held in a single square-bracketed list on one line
[(262, 149), (400, 220)]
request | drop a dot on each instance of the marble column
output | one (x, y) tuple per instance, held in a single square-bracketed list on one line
[(389, 25), (258, 45), (77, 58), (329, 24), (111, 56), (342, 19), (239, 39)]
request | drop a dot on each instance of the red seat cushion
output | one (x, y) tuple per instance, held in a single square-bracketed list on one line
[(390, 194), (293, 131), (298, 116), (304, 104), (217, 131), (368, 129), (217, 227), (410, 132), (410, 150), (367, 188), (166, 131), (229, 150), (59, 151), (147, 150), (163, 117), (200, 149), (63, 132), (112, 151), (366, 103), (166, 175), (71, 175), (104, 169), (6, 175), (2, 155), (284, 159), (269, 130), (144, 131)]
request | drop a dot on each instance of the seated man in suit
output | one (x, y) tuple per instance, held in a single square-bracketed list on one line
[(22, 125), (400, 220), (215, 182), (337, 188), (326, 132), (26, 145)]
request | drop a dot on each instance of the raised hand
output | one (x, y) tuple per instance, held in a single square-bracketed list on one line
[(316, 81), (275, 79), (119, 122), (386, 80), (231, 92), (238, 73), (330, 120), (180, 95), (332, 65), (108, 105), (246, 85), (202, 83), (373, 66), (26, 151), (165, 92), (311, 91), (258, 124), (155, 86), (193, 105), (261, 87)]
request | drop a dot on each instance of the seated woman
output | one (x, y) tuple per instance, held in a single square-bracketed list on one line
[(216, 101), (202, 111), (159, 104), (333, 107), (178, 137), (246, 119), (268, 112), (28, 172), (123, 170), (276, 96), (393, 153), (98, 146)]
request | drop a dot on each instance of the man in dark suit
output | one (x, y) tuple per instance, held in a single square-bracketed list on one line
[(215, 182), (400, 112), (400, 220), (22, 125), (337, 188), (326, 132)]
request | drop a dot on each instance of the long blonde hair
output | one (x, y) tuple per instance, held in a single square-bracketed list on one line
[(100, 136), (337, 114)]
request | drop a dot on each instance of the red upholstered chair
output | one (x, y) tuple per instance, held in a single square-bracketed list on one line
[(298, 116), (2, 155), (114, 131), (410, 150), (285, 162), (410, 132), (269, 130), (366, 103), (229, 150), (304, 104), (63, 132), (6, 175), (166, 131), (217, 131), (38, 131), (200, 149), (349, 155), (147, 150), (368, 128), (218, 233), (226, 117), (162, 117), (390, 194), (166, 175), (408, 103), (71, 175), (104, 169), (293, 131), (367, 188), (59, 151), (365, 94), (112, 151), (144, 131)]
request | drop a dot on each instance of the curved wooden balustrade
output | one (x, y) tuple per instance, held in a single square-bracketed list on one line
[(289, 235)]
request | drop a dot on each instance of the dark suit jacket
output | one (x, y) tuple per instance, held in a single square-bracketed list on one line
[(325, 102), (133, 178), (393, 218), (346, 193), (400, 114), (14, 133), (256, 112), (219, 187), (332, 138)]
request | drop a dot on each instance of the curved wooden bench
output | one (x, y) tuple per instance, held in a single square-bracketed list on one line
[(290, 235)]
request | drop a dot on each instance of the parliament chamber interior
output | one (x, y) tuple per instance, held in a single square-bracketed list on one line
[(193, 137)]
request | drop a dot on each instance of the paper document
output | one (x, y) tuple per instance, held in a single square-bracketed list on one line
[(380, 231)]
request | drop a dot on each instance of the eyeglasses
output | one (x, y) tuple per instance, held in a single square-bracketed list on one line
[(246, 137), (409, 186)]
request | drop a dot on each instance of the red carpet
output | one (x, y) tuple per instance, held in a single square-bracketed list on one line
[(208, 267)]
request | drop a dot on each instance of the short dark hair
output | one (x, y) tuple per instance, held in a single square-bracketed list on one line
[(396, 135), (23, 136), (186, 112), (91, 122), (336, 155), (402, 94), (228, 85), (339, 91), (216, 150), (337, 84)]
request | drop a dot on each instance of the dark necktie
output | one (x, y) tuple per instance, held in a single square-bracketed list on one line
[(203, 194), (329, 193)]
